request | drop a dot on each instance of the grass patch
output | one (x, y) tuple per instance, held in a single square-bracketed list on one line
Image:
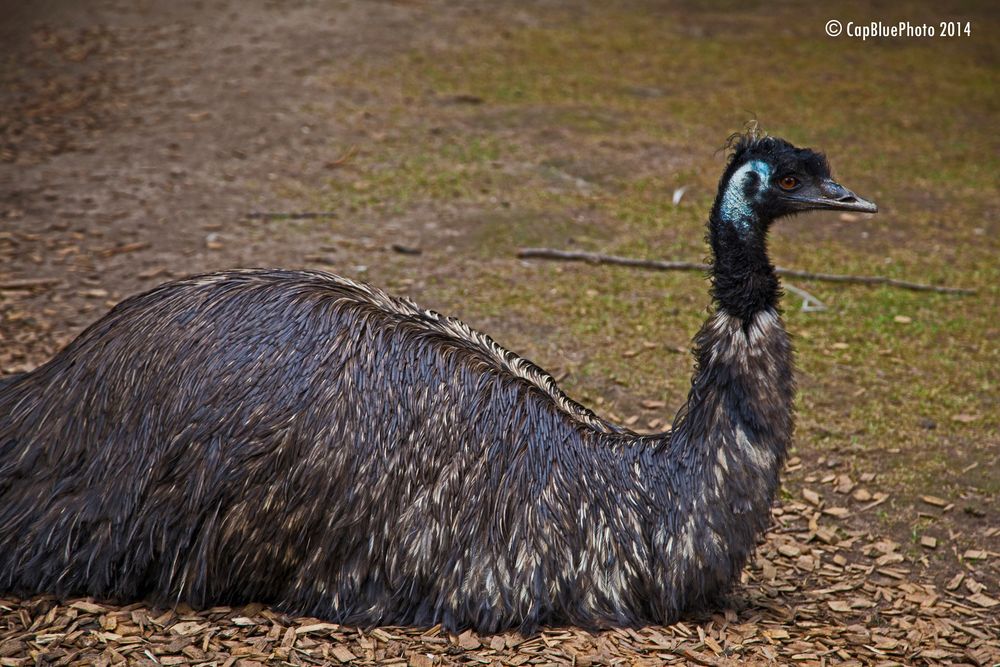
[(585, 125)]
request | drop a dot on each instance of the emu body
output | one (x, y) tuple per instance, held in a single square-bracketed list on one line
[(300, 439)]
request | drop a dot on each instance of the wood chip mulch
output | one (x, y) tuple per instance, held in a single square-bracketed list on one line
[(821, 591)]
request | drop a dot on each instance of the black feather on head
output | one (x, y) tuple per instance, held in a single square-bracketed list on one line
[(754, 143)]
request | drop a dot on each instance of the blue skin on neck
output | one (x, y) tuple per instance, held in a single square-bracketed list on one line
[(736, 209)]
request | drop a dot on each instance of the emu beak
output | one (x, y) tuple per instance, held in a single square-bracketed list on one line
[(833, 196)]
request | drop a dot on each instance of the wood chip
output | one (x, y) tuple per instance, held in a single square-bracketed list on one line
[(421, 660), (187, 628), (983, 600), (715, 646), (343, 654), (316, 627), (892, 573), (699, 658)]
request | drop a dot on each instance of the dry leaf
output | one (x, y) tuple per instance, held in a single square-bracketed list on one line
[(811, 496), (861, 495), (935, 501)]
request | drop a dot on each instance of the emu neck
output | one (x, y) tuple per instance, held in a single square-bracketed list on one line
[(743, 279), (731, 438), (730, 441)]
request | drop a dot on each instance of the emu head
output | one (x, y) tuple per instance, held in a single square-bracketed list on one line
[(768, 178)]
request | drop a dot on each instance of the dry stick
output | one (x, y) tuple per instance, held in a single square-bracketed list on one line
[(292, 215), (343, 159), (660, 265), (810, 304), (121, 249), (28, 283)]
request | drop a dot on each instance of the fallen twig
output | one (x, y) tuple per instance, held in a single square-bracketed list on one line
[(29, 283), (810, 304), (596, 258), (874, 503), (661, 265), (127, 247), (343, 159), (405, 249), (301, 215), (872, 280)]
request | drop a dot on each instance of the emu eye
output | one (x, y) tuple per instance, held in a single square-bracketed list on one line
[(788, 183)]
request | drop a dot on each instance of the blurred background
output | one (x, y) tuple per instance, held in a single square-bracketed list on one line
[(418, 144)]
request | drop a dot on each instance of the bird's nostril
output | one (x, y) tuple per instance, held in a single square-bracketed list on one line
[(848, 198)]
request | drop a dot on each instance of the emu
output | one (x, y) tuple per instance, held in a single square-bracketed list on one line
[(301, 439)]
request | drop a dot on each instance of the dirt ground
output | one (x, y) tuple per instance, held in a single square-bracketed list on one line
[(417, 144)]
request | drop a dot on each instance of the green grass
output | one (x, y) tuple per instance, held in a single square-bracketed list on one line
[(589, 122)]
